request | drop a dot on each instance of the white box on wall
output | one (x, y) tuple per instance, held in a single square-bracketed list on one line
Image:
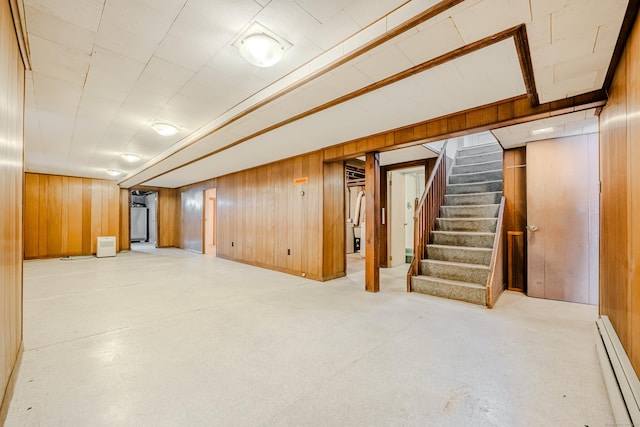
[(106, 246)]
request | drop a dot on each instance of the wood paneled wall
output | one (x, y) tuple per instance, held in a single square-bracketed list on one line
[(515, 193), (11, 182), (168, 218), (620, 201), (192, 214), (64, 215), (265, 218), (125, 219)]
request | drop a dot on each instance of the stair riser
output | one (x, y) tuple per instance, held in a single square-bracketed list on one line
[(468, 240), (477, 167), (459, 255), (483, 187), (476, 177), (490, 211), (445, 290), (462, 273), (482, 225), (480, 158), (472, 199), (480, 149)]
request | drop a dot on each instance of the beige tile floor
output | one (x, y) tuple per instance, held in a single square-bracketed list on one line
[(172, 338)]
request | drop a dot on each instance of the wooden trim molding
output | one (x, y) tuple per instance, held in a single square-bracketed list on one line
[(503, 113)]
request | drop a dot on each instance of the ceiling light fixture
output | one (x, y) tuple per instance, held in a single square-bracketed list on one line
[(114, 172), (131, 158), (542, 131), (164, 128), (260, 46)]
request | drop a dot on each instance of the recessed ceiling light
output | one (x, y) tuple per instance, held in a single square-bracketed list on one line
[(541, 131), (164, 128), (260, 46), (131, 158), (114, 172)]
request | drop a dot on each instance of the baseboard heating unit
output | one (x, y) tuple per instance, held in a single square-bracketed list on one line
[(620, 378)]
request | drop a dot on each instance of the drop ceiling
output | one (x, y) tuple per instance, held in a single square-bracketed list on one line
[(102, 71)]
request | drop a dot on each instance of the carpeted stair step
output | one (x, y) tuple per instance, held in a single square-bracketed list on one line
[(463, 238), (473, 199), (465, 178), (478, 158), (452, 289), (477, 167), (464, 254), (476, 211), (472, 273), (479, 149), (487, 225), (475, 187)]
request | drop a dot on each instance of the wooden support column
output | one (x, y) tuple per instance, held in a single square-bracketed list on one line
[(372, 193)]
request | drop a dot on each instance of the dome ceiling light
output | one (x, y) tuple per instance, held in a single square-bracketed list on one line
[(131, 158), (114, 172), (164, 128), (260, 46)]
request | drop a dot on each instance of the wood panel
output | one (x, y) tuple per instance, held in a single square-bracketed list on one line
[(273, 216), (65, 215), (372, 228), (125, 219), (619, 206), (168, 218), (11, 200), (334, 257), (515, 193)]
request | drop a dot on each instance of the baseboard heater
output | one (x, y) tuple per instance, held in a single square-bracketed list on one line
[(621, 380)]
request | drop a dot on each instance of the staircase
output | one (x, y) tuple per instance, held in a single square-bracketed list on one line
[(459, 254)]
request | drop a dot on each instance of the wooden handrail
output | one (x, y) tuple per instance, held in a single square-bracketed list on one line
[(495, 283), (426, 211)]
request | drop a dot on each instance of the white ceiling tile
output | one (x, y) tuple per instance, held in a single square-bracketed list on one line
[(58, 61), (288, 20), (540, 8), (569, 87), (164, 77), (97, 108), (85, 14), (137, 17), (199, 53), (577, 18), (346, 79), (55, 95), (231, 15), (408, 11), (431, 42), (120, 41), (564, 50), (334, 31), (323, 11), (491, 17), (607, 37), (539, 32), (384, 63), (54, 29), (364, 12), (588, 63)]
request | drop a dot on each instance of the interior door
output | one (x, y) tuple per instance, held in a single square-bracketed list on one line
[(563, 217)]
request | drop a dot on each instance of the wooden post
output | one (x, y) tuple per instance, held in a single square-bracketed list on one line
[(372, 193)]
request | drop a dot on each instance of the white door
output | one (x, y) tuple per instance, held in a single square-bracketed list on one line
[(396, 218)]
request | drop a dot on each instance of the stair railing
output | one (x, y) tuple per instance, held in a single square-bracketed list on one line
[(426, 211), (495, 280)]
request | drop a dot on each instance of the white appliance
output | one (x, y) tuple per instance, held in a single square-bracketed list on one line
[(139, 225), (106, 246)]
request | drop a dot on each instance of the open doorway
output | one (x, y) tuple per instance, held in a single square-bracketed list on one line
[(404, 186), (355, 215), (143, 219), (209, 227)]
